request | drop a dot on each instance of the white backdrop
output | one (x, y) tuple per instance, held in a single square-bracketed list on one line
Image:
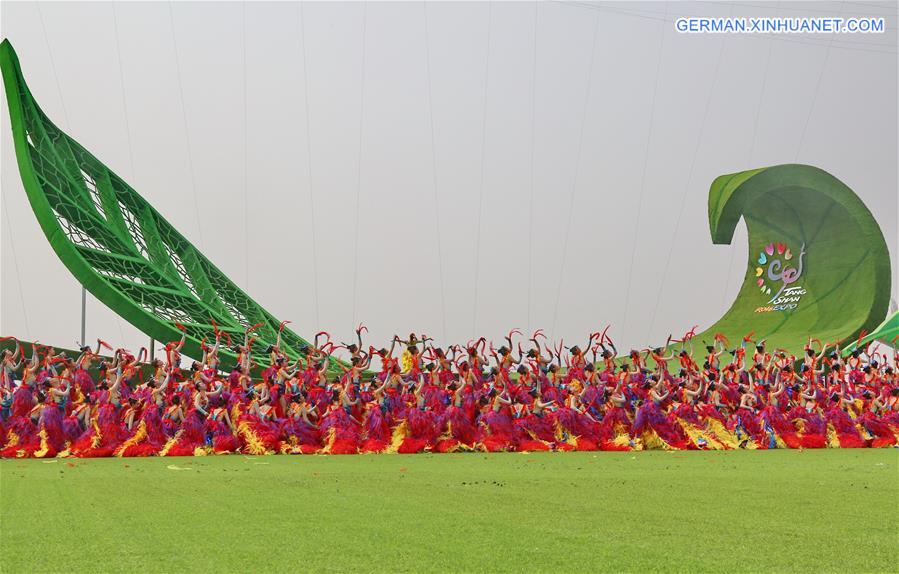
[(510, 164)]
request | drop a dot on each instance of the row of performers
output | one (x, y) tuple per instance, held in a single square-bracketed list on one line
[(457, 401)]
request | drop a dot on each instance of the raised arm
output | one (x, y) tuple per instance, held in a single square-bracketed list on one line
[(199, 405), (614, 352), (780, 389), (366, 362), (589, 342), (165, 383), (35, 357), (537, 345), (543, 405), (672, 353), (60, 393), (216, 393), (359, 335), (118, 380), (392, 346)]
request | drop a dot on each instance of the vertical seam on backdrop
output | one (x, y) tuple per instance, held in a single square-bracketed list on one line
[(246, 200), (652, 113), (533, 147), (811, 107), (15, 259), (115, 20), (62, 101), (477, 259), (308, 130), (190, 161), (434, 170), (683, 201), (65, 114), (115, 23), (577, 170), (359, 161)]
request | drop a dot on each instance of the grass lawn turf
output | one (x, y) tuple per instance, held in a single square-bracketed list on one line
[(734, 511)]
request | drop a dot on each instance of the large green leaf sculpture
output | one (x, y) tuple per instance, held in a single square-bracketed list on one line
[(812, 242), (117, 245)]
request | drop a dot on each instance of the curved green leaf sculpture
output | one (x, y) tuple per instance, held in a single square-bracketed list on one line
[(818, 263), (117, 245)]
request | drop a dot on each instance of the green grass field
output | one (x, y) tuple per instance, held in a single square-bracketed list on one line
[(736, 511)]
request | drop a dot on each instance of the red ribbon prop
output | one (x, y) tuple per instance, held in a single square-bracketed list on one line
[(602, 336), (559, 347), (609, 341)]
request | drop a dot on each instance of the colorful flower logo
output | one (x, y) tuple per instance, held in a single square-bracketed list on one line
[(774, 272)]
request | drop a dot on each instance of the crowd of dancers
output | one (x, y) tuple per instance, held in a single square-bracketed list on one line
[(526, 395)]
